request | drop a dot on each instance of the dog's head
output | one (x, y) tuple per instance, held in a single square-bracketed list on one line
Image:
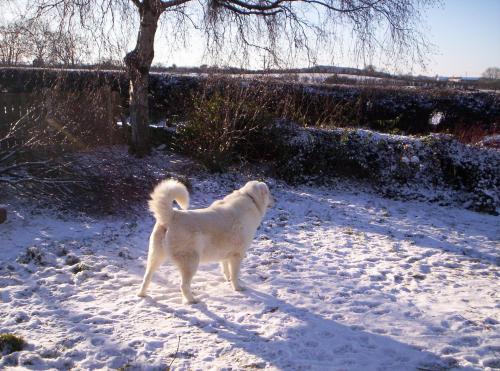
[(259, 193)]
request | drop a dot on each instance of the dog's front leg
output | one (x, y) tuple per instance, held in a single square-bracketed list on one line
[(224, 267), (234, 272)]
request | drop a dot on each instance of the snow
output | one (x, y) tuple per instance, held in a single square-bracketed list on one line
[(491, 141), (337, 278), (436, 118)]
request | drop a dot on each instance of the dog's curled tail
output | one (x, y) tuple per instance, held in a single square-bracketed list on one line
[(162, 197)]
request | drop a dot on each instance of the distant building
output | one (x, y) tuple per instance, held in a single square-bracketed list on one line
[(441, 78)]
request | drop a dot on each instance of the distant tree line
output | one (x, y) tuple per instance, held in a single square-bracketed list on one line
[(492, 73), (37, 44)]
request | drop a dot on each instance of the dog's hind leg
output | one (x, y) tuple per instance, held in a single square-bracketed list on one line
[(156, 256), (224, 267), (234, 271), (188, 265)]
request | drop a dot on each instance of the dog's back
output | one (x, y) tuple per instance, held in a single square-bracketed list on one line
[(227, 226)]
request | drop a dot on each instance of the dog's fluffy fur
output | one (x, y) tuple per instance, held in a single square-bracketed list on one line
[(221, 232)]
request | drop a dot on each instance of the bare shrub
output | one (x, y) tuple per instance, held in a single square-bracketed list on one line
[(28, 166), (471, 134), (82, 118), (34, 150), (225, 120)]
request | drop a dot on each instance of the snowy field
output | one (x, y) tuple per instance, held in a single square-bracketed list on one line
[(337, 279)]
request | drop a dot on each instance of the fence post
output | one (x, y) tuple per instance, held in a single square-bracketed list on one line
[(3, 214), (108, 99)]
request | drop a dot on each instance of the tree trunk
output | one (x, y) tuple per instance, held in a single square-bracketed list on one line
[(138, 63)]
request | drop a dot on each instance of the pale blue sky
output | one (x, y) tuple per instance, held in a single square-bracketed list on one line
[(465, 33), (467, 36)]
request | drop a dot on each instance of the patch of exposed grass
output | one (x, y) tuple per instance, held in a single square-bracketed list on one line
[(33, 255), (80, 267), (10, 343)]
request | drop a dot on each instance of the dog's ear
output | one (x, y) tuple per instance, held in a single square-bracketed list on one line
[(266, 195), (263, 191)]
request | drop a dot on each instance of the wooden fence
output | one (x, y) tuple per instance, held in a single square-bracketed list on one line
[(83, 107), (13, 106)]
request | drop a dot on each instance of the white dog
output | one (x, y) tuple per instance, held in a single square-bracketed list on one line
[(222, 232)]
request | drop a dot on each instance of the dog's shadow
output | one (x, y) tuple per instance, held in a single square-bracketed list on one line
[(302, 339)]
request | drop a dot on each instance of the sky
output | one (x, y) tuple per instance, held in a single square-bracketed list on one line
[(465, 38), (465, 35)]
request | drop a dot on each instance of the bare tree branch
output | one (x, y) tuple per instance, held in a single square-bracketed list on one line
[(172, 3), (137, 3)]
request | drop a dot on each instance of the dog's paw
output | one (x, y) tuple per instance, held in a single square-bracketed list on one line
[(239, 288), (141, 294), (190, 301)]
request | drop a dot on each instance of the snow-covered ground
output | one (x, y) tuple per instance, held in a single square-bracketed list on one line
[(337, 279)]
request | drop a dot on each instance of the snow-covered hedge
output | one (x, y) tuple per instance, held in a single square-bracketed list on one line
[(469, 114), (397, 165)]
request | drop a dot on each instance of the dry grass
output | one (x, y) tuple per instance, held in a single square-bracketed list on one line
[(10, 343)]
